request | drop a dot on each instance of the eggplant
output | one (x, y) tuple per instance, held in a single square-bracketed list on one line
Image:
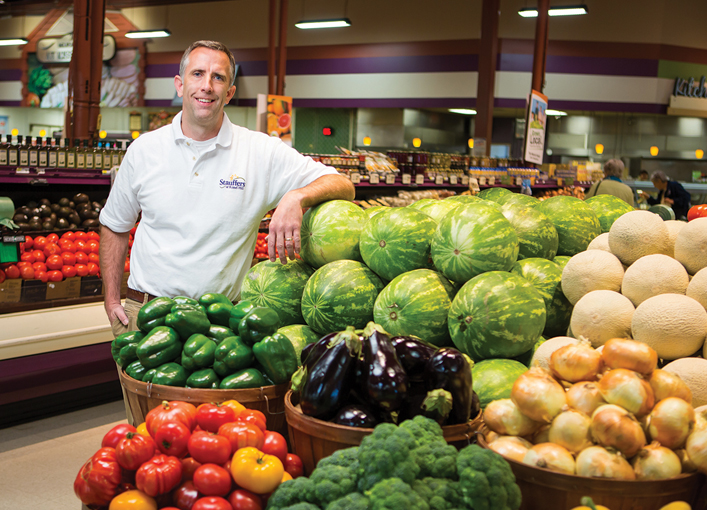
[(356, 416), (433, 404), (413, 354), (383, 379), (316, 349), (328, 380), (475, 405), (449, 370)]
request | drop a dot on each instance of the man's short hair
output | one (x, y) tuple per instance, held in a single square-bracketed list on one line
[(660, 175), (614, 167), (212, 45)]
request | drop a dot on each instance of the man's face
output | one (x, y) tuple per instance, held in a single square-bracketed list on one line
[(659, 184), (205, 87)]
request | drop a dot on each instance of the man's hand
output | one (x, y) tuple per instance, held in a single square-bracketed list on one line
[(285, 228), (668, 201), (114, 310)]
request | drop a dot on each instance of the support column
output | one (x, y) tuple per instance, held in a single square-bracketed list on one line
[(540, 52), (282, 64), (272, 54), (488, 54)]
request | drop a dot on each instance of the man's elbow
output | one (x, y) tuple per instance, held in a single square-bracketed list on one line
[(348, 191)]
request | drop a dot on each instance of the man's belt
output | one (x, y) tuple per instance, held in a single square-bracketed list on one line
[(138, 296)]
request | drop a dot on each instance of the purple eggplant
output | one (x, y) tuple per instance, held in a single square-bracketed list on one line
[(315, 349), (413, 354), (383, 381), (356, 416), (475, 405), (433, 404), (449, 370)]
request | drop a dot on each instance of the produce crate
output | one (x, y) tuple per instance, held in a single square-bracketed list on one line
[(11, 291), (91, 286), (69, 288), (34, 291)]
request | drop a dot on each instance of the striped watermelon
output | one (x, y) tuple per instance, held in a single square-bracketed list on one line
[(438, 209), (396, 241), (608, 208), (462, 199), (279, 287), (299, 335), (420, 203), (537, 236), (518, 198), (664, 211), (574, 220), (376, 209), (330, 232), (493, 379), (339, 294), (416, 303), (496, 315), (561, 260), (527, 357), (493, 204), (493, 194), (474, 239)]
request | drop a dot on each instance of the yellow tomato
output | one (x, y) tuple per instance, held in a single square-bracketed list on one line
[(286, 476), (142, 430), (235, 405), (676, 505), (133, 500), (256, 471)]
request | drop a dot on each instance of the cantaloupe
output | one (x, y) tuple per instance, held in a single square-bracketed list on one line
[(600, 242), (674, 227), (541, 356), (652, 275), (591, 270), (691, 245), (674, 325), (637, 234), (602, 315), (697, 288), (692, 371)]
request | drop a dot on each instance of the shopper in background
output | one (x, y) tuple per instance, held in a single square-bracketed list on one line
[(202, 185), (669, 193), (643, 175), (611, 183)]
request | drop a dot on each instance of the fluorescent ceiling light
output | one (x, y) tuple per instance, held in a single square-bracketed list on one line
[(13, 42), (324, 23), (147, 34), (463, 111), (569, 10), (555, 113)]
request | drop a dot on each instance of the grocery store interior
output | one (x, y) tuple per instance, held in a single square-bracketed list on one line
[(435, 93)]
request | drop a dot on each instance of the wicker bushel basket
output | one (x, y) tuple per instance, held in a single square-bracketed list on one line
[(312, 439)]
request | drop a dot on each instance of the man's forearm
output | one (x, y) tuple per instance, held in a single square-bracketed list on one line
[(327, 187), (113, 250)]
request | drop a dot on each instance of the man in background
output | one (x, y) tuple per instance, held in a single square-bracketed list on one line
[(669, 193)]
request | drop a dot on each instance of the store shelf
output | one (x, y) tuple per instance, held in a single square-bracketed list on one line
[(692, 187), (428, 183), (47, 176)]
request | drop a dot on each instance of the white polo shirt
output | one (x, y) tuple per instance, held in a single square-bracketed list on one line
[(201, 203)]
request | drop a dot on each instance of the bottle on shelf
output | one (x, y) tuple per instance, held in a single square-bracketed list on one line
[(80, 154), (61, 153), (13, 153), (71, 154), (115, 158), (106, 156), (33, 152), (52, 153), (4, 147), (43, 152), (88, 151), (23, 150), (97, 155)]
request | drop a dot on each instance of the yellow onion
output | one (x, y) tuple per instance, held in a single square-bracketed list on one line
[(701, 416), (696, 448), (614, 426), (570, 429), (491, 436), (584, 397), (503, 417), (576, 362), (666, 384), (655, 462), (542, 435), (629, 354), (670, 422), (627, 389), (599, 462), (687, 465), (511, 447), (538, 395), (550, 456)]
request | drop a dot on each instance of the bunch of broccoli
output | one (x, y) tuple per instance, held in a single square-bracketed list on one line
[(409, 467)]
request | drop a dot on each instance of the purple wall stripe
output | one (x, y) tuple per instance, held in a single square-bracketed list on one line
[(599, 106), (10, 74), (581, 65), (161, 70), (424, 102), (10, 103), (406, 64), (158, 102)]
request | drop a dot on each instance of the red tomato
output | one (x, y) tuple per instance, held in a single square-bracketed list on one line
[(68, 271), (212, 480), (211, 503), (241, 434), (12, 272), (293, 465), (189, 465), (81, 269), (55, 262), (39, 256), (159, 475), (81, 257), (22, 263), (2, 276), (253, 416), (92, 246), (93, 235), (185, 495), (51, 249), (28, 257), (55, 276), (242, 499), (172, 438), (171, 411), (207, 447), (39, 242), (81, 235), (80, 245), (69, 258), (27, 273), (92, 268), (114, 435), (211, 416), (98, 479), (40, 275), (29, 242), (126, 266), (697, 211), (134, 450), (68, 235), (93, 257), (67, 245), (39, 266), (53, 238), (275, 444)]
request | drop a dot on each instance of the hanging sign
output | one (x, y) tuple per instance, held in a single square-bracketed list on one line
[(55, 50), (535, 128)]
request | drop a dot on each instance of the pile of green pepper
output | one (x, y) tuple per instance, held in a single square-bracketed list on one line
[(206, 343)]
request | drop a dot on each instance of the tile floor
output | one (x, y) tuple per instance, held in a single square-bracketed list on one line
[(40, 460)]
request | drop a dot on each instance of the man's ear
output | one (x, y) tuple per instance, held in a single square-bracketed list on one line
[(231, 93), (178, 84)]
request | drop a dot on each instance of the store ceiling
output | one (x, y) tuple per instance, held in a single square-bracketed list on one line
[(40, 7)]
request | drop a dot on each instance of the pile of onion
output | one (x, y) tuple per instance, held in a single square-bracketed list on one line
[(550, 456), (584, 397), (503, 417), (599, 462), (629, 354), (538, 395), (627, 389), (665, 384), (614, 426), (511, 447), (670, 422), (656, 462), (570, 429), (576, 362)]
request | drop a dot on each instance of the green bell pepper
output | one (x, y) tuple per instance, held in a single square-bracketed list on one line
[(219, 313), (205, 378), (219, 333), (277, 356), (186, 306), (198, 352), (136, 370), (170, 374), (231, 356), (159, 346), (153, 314), (188, 322), (183, 300), (247, 378), (239, 311), (149, 375), (258, 324), (213, 297), (123, 347)]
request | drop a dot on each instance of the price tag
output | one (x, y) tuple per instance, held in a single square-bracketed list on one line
[(355, 177), (465, 180), (374, 178), (491, 181), (473, 184), (21, 170), (453, 180), (439, 179), (519, 181), (482, 181), (406, 178), (420, 179), (390, 178)]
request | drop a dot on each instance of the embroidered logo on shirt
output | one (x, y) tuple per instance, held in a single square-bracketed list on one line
[(233, 182)]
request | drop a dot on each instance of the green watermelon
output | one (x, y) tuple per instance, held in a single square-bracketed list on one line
[(493, 379), (575, 221), (608, 208), (496, 315), (462, 199), (279, 287), (537, 236), (416, 303), (339, 294), (518, 198), (300, 335), (330, 231), (438, 209), (493, 194), (527, 357), (561, 260), (493, 204), (420, 203), (474, 239), (372, 211), (664, 211), (396, 241)]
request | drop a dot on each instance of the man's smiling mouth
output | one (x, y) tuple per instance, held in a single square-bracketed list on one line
[(205, 100)]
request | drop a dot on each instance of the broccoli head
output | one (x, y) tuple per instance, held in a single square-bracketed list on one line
[(330, 483), (302, 506), (353, 501), (438, 460), (386, 453), (440, 494), (486, 480), (289, 493), (347, 458), (394, 494), (425, 430)]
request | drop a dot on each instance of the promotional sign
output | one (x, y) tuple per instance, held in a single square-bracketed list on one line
[(54, 50), (535, 128), (274, 116), (688, 98)]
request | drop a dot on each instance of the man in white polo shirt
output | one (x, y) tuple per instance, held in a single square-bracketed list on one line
[(203, 185)]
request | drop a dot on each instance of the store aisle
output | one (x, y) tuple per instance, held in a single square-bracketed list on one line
[(40, 460)]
